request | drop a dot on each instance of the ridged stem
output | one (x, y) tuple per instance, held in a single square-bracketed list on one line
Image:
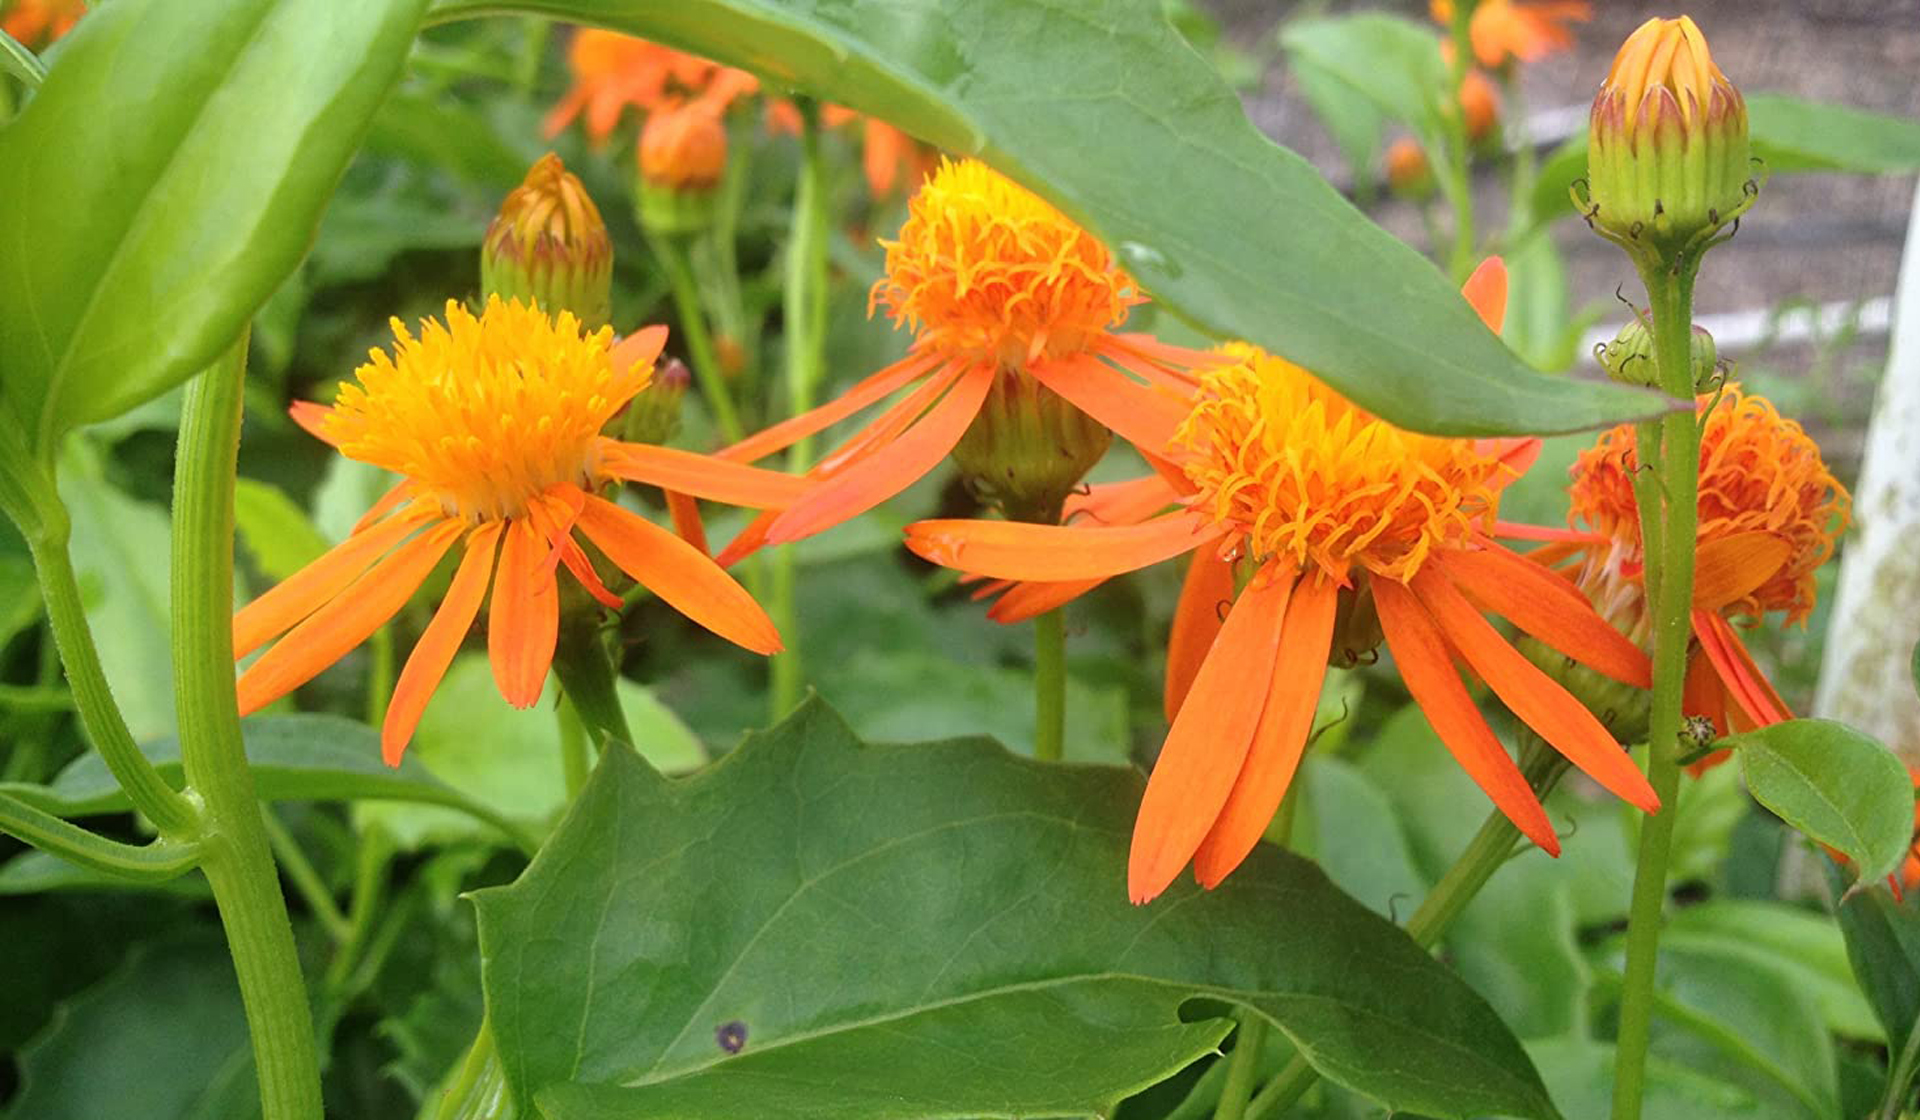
[(1050, 686)]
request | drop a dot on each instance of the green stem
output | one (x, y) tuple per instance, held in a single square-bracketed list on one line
[(238, 860), (672, 252), (1243, 1065), (804, 312), (576, 756), (157, 862), (1670, 290), (590, 678), (1050, 686), (1900, 1077), (369, 890), (305, 879), (380, 670), (28, 495)]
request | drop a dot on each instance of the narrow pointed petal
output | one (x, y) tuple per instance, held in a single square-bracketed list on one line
[(642, 347), (1747, 687), (312, 418), (523, 625), (1516, 531), (748, 540), (1486, 291), (427, 665), (1119, 503), (1013, 550), (1516, 454), (1206, 591), (1030, 599), (680, 574), (702, 476), (396, 496), (362, 607), (1208, 743), (1546, 605), (888, 470), (685, 512), (554, 514), (1281, 738), (869, 391), (1145, 417), (307, 590), (1728, 569), (1420, 654), (891, 424), (1530, 694)]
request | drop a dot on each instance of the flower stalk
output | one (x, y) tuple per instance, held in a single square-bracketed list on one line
[(1050, 686), (238, 860)]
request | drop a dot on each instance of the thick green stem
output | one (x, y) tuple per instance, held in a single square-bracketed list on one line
[(306, 879), (804, 313), (1050, 686), (1670, 290), (693, 324), (1243, 1065), (28, 495), (238, 860)]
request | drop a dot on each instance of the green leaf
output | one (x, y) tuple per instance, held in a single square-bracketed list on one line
[(938, 929), (1805, 950), (166, 1031), (446, 136), (1581, 1073), (1349, 828), (196, 205), (1834, 784), (1788, 133), (1393, 62), (1102, 108), (294, 757), (35, 872), (1350, 118), (277, 531), (1883, 946)]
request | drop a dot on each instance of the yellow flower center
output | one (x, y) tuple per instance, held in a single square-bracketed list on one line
[(1758, 471), (1301, 472), (983, 268), (485, 413)]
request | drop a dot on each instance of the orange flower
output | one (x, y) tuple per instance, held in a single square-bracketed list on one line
[(613, 71), (683, 148), (36, 23), (1503, 30), (1308, 497), (1479, 105), (995, 283), (494, 423), (1769, 513)]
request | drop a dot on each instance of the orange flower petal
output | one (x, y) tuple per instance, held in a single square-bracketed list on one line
[(889, 425), (1145, 417), (685, 512), (641, 348), (312, 418), (748, 541), (1032, 598), (680, 574), (310, 588), (1746, 685), (1517, 455), (702, 476), (1728, 569), (1547, 606), (1420, 654), (1208, 743), (1110, 503), (1281, 738), (554, 514), (1530, 694), (1516, 531), (1013, 550), (398, 494), (1486, 291), (890, 469), (362, 607), (1196, 622), (523, 625), (870, 390), (433, 653)]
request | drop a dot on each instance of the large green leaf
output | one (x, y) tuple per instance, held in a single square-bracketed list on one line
[(294, 758), (1834, 784), (1101, 107), (1789, 134), (165, 179), (1393, 62), (1883, 946), (1803, 948), (817, 928)]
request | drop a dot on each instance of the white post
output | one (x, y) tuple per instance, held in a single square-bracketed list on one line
[(1866, 679)]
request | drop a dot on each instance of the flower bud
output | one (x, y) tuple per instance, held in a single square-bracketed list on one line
[(548, 246), (1479, 106), (653, 416), (1629, 358), (683, 153), (1028, 448), (1409, 175), (1667, 156)]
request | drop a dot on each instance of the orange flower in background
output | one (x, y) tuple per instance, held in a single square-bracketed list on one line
[(684, 147), (1312, 497), (1770, 511), (995, 283), (1479, 105), (494, 423), (890, 159), (1504, 30), (36, 23), (612, 71)]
